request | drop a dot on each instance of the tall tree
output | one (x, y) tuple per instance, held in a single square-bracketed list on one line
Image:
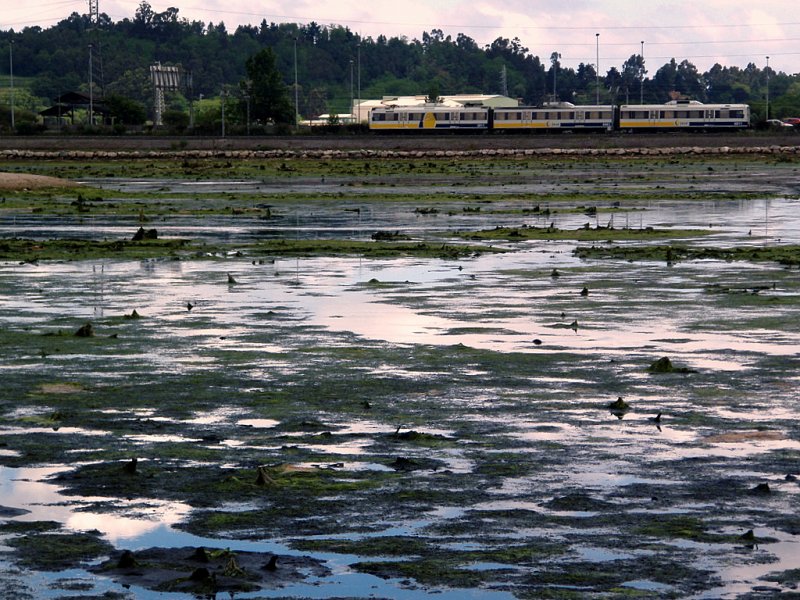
[(269, 94)]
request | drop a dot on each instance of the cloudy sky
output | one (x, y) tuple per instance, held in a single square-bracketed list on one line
[(730, 32)]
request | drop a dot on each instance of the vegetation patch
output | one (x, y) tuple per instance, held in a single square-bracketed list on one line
[(788, 254), (584, 234), (55, 550)]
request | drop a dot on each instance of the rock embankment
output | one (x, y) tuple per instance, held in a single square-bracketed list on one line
[(389, 154)]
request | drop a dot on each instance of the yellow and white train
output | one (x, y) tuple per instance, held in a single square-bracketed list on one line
[(563, 116)]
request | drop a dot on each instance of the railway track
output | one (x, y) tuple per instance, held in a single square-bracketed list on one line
[(401, 142)]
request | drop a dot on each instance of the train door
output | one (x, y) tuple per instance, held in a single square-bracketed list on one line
[(709, 117), (580, 118), (653, 117)]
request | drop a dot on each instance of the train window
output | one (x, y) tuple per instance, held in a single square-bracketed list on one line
[(378, 117), (737, 114), (682, 114)]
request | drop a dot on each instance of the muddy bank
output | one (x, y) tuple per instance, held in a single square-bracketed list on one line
[(24, 181)]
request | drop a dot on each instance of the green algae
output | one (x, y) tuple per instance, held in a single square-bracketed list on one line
[(55, 550), (32, 251), (584, 234), (787, 254)]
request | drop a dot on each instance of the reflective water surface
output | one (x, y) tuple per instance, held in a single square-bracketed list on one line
[(744, 346)]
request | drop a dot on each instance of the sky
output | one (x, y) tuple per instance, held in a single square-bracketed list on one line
[(704, 32)]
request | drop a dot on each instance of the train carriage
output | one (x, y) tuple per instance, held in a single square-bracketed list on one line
[(563, 116), (682, 116), (559, 117), (429, 118)]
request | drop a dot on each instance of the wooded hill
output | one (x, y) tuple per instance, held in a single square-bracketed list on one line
[(335, 64)]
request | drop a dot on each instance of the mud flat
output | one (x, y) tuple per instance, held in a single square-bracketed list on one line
[(590, 391)]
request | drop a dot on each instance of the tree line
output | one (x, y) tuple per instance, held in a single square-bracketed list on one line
[(331, 66)]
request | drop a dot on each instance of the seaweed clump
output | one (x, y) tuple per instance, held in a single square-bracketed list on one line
[(664, 365)]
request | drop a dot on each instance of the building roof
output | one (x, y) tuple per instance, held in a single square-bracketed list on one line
[(453, 101)]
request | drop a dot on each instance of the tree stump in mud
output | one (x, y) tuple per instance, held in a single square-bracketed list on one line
[(263, 477), (144, 234), (85, 331)]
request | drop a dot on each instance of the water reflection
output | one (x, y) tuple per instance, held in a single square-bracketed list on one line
[(27, 489)]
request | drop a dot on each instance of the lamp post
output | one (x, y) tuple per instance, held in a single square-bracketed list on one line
[(597, 74), (767, 119), (296, 111), (11, 76), (641, 78), (358, 98), (91, 90)]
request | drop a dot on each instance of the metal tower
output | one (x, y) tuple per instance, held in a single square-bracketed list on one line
[(94, 11)]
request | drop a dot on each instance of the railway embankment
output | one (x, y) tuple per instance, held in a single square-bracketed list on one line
[(332, 153)]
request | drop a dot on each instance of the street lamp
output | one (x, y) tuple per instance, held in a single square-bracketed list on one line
[(767, 119), (11, 75), (597, 74), (358, 49), (641, 78)]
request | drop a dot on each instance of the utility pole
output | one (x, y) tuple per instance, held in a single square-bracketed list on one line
[(296, 110), (641, 79), (222, 103), (597, 74), (91, 89), (767, 71), (358, 98), (11, 75), (351, 88)]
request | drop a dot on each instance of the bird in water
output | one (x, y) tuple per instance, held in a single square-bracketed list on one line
[(231, 280), (656, 420), (189, 306)]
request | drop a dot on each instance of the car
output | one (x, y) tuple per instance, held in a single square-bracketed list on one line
[(777, 124), (793, 121)]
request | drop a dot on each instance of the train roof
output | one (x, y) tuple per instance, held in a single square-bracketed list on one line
[(679, 105)]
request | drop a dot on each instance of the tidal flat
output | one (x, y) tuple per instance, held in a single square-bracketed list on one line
[(401, 379)]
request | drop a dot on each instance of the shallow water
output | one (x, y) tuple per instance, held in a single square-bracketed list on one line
[(744, 348)]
